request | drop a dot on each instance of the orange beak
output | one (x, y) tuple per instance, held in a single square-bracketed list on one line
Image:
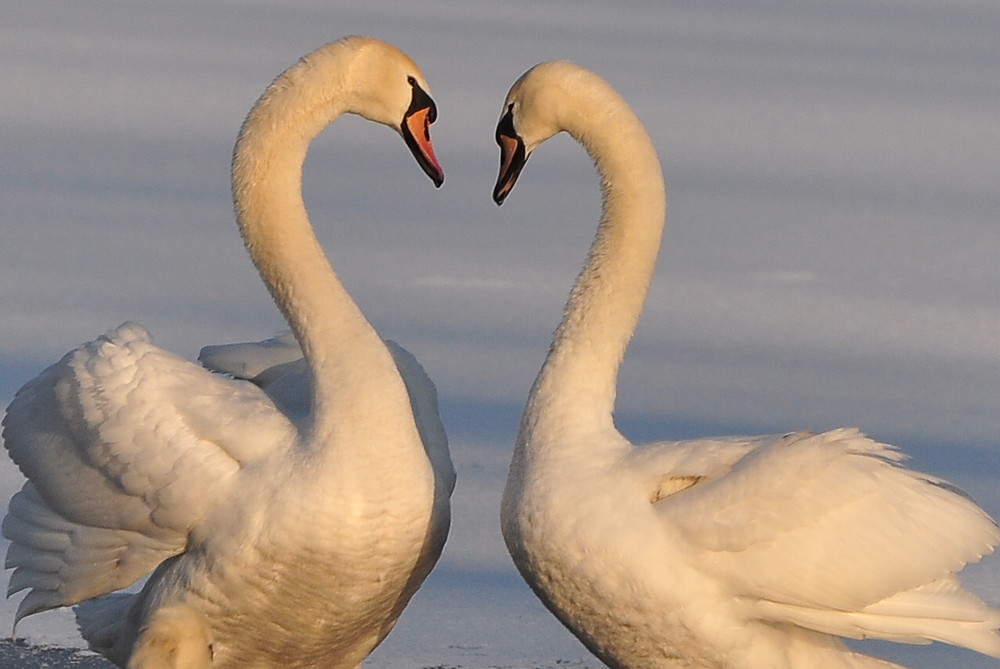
[(417, 135)]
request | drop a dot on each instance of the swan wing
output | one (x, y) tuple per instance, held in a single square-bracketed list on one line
[(823, 530), (258, 361), (424, 404), (127, 448), (277, 366)]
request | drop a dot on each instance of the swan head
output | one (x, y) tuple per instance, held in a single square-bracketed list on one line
[(387, 87), (174, 637), (384, 85), (354, 75), (551, 97)]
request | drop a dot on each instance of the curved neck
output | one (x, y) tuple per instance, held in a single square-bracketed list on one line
[(344, 353), (577, 384)]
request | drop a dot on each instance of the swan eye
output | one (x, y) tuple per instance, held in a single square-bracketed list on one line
[(411, 81), (421, 100), (505, 128), (512, 156)]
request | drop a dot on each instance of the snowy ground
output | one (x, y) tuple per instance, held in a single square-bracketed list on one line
[(831, 256)]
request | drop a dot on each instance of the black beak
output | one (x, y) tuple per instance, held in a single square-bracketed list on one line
[(512, 156), (416, 132)]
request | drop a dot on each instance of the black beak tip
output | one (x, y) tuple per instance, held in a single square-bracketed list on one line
[(433, 171)]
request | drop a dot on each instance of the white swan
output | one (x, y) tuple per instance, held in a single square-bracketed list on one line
[(296, 538), (738, 552)]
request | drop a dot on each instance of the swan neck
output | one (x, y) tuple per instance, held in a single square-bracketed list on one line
[(342, 349), (579, 377)]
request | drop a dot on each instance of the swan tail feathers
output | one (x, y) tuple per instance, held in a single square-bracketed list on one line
[(102, 622), (940, 611), (950, 613)]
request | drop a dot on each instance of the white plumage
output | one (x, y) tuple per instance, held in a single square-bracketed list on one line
[(736, 552), (283, 528), (174, 637)]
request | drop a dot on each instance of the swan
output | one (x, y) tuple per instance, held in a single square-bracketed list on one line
[(734, 552), (281, 538)]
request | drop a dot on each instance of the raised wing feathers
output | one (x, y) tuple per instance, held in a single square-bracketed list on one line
[(65, 563), (827, 525), (127, 449)]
